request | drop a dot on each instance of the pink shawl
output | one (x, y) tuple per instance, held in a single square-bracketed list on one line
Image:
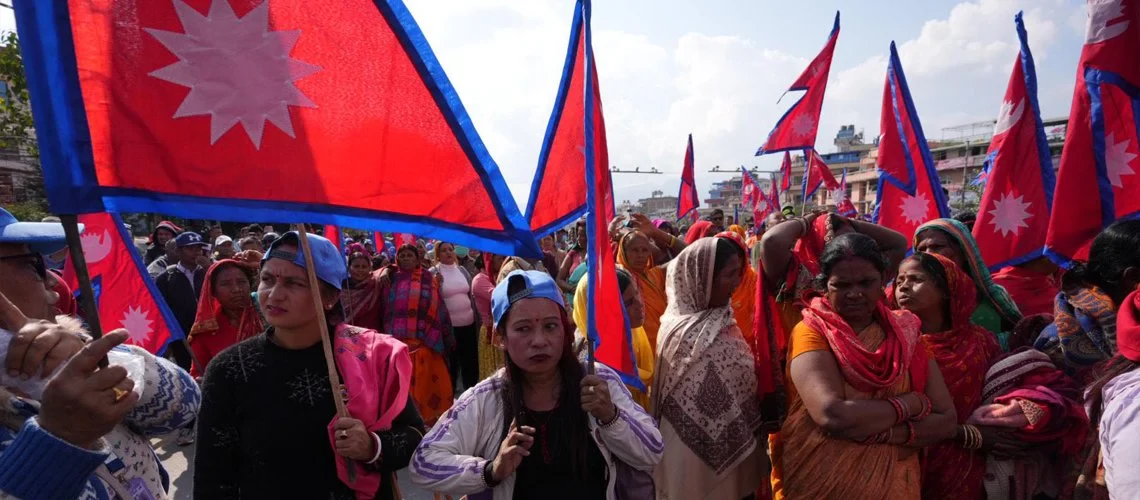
[(377, 374)]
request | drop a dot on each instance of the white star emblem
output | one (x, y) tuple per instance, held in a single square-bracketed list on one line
[(915, 208), (803, 125), (1117, 159), (1009, 214), (1101, 13), (1008, 115), (838, 195), (761, 206), (137, 324), (237, 70)]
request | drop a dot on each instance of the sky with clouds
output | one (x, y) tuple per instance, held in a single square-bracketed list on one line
[(716, 68)]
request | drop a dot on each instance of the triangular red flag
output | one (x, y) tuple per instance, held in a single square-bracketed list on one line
[(340, 115), (1013, 216), (758, 202), (909, 192), (786, 172), (817, 174), (1097, 182), (798, 127), (125, 294), (687, 198), (840, 198), (332, 233), (558, 192)]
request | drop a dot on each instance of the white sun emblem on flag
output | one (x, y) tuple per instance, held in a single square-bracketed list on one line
[(838, 195), (137, 324), (803, 125), (761, 206), (1117, 159), (237, 70), (1101, 25), (915, 208), (1010, 213), (1008, 115)]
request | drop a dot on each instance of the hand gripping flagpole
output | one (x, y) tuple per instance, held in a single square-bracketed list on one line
[(326, 343), (86, 291)]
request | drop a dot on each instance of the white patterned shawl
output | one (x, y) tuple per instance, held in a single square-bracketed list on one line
[(708, 392)]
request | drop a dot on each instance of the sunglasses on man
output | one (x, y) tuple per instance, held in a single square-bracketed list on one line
[(32, 259)]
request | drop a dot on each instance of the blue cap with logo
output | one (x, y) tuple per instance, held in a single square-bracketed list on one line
[(190, 239), (539, 285), (328, 262), (41, 237)]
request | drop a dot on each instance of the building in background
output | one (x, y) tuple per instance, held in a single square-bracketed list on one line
[(658, 206)]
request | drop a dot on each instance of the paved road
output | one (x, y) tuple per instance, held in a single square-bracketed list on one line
[(179, 462)]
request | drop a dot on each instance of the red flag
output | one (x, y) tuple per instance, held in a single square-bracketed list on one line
[(607, 326), (124, 291), (558, 192), (1098, 182), (774, 195), (378, 241), (332, 233), (817, 174), (842, 201), (687, 198), (755, 199), (909, 192), (797, 128), (340, 115), (1013, 216), (786, 172)]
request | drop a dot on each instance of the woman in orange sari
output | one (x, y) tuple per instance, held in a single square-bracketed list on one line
[(413, 312), (864, 398), (226, 314), (635, 254), (936, 290)]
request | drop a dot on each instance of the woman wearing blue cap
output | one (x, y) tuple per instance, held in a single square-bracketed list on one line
[(540, 426), (268, 427)]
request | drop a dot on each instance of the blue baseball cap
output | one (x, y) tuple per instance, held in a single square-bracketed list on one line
[(190, 239), (539, 285), (328, 261), (41, 237)]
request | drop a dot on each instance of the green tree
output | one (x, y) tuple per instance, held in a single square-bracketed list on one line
[(16, 126)]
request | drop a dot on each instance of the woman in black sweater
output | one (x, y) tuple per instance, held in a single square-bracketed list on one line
[(268, 413)]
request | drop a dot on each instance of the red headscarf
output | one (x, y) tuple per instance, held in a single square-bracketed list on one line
[(1128, 327), (489, 267), (698, 230), (209, 308)]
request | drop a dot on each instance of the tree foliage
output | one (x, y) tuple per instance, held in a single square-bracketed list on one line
[(16, 126)]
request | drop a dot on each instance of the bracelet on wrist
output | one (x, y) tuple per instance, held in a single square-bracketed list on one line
[(613, 420), (489, 475)]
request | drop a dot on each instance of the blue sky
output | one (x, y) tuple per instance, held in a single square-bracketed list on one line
[(716, 68)]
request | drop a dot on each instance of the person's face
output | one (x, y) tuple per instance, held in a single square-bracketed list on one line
[(215, 232), (717, 220), (171, 250), (634, 308), (474, 254), (533, 335), (189, 255), (937, 242), (854, 288), (580, 236), (547, 243), (26, 283), (446, 253), (407, 260), (225, 250), (244, 232), (916, 291), (231, 287), (163, 235), (251, 245), (359, 269), (283, 293), (638, 251), (726, 281)]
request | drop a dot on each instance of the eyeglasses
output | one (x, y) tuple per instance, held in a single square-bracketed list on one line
[(35, 259)]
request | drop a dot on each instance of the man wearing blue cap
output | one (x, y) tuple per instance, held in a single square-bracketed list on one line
[(26, 281), (180, 286)]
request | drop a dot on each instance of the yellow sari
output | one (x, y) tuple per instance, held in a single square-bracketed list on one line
[(642, 350), (651, 282)]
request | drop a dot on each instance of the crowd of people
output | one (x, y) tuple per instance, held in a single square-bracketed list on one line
[(803, 357)]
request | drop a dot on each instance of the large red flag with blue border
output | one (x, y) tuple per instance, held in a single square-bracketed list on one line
[(1097, 183), (607, 324), (1013, 216), (687, 198), (909, 191), (558, 193), (798, 127), (259, 110), (125, 294)]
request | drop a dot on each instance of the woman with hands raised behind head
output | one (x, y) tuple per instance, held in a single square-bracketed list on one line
[(542, 425)]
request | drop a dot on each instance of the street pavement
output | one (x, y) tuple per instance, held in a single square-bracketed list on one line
[(179, 463)]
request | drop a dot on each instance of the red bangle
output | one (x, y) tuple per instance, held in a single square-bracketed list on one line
[(927, 406), (900, 409), (910, 433)]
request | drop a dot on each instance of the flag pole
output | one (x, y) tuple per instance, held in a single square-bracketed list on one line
[(322, 324), (79, 262)]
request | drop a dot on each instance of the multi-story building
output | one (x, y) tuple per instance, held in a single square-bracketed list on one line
[(658, 206), (851, 155)]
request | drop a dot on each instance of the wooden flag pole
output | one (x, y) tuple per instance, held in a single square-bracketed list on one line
[(79, 262), (322, 323)]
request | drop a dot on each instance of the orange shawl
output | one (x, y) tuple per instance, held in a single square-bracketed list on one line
[(651, 281)]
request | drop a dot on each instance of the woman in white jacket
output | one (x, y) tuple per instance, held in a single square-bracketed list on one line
[(541, 427)]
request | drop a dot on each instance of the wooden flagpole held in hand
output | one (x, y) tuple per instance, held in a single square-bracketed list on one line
[(326, 342), (86, 291)]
